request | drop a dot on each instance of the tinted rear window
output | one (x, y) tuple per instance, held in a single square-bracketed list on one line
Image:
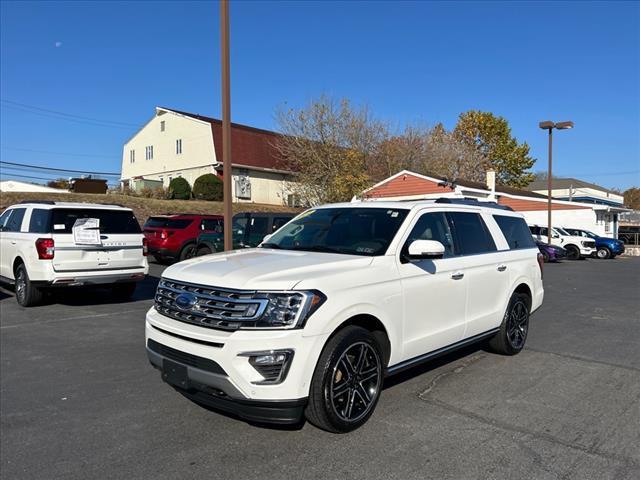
[(516, 232), (164, 222), (40, 221), (111, 221), (471, 234)]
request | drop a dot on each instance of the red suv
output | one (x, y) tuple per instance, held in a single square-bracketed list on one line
[(173, 237)]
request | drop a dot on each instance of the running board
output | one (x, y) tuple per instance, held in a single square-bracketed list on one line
[(399, 367)]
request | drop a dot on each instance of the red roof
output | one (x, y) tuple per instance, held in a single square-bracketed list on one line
[(250, 146)]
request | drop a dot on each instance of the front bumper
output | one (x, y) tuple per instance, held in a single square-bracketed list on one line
[(216, 372), (214, 389)]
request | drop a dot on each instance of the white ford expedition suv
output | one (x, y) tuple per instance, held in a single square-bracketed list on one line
[(312, 320), (43, 245)]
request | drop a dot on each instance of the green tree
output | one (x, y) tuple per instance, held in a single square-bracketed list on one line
[(208, 187), (632, 198), (491, 136), (179, 189)]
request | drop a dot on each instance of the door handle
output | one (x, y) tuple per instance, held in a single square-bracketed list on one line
[(13, 242), (457, 275), (502, 268)]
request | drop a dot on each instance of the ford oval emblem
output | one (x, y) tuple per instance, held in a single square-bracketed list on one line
[(185, 301)]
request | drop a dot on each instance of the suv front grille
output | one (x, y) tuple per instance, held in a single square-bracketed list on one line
[(589, 244), (208, 306)]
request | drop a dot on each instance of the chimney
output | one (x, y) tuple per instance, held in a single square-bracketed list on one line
[(491, 183)]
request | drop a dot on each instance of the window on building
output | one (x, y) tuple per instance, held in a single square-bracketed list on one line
[(132, 156), (162, 126), (148, 152), (179, 146)]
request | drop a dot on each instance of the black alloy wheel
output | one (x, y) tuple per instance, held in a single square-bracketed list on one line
[(512, 335), (189, 251), (347, 381), (203, 251)]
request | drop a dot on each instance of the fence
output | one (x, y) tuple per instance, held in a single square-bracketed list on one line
[(630, 239)]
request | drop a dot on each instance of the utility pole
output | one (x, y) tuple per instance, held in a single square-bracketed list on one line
[(226, 125)]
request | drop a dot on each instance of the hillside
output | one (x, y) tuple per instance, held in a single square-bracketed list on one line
[(143, 207)]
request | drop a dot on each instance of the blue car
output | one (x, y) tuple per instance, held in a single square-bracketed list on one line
[(605, 247)]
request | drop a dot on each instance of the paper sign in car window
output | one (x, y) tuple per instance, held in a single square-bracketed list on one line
[(86, 231)]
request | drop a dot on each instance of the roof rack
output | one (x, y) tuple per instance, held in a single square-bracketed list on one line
[(474, 202), (43, 202)]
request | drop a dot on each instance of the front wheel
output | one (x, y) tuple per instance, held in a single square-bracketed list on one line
[(347, 381), (572, 252), (514, 328), (189, 251), (27, 295), (603, 253), (203, 251)]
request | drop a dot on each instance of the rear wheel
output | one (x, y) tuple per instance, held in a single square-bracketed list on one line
[(572, 252), (514, 328), (27, 294), (603, 253), (203, 251), (187, 252), (123, 291), (347, 381)]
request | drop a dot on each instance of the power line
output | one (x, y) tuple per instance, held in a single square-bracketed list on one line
[(71, 115), (38, 167), (47, 115), (56, 153)]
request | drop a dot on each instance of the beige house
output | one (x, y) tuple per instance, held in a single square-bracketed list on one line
[(181, 144)]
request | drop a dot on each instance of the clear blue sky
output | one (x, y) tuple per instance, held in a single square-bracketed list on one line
[(421, 62)]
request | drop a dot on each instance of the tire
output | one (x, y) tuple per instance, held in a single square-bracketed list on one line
[(603, 253), (545, 257), (27, 295), (203, 251), (123, 291), (572, 252), (187, 252), (512, 336), (347, 381)]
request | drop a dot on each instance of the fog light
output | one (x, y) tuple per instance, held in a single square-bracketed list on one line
[(273, 365)]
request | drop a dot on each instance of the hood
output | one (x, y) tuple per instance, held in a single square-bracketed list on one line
[(258, 268)]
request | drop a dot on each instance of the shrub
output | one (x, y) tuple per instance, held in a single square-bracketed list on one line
[(208, 187), (156, 192), (179, 189)]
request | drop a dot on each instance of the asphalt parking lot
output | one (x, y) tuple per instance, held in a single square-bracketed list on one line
[(80, 400)]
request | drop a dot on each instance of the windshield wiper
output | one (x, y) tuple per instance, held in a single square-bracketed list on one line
[(271, 245)]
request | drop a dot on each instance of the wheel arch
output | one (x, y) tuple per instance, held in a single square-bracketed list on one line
[(16, 262), (372, 324)]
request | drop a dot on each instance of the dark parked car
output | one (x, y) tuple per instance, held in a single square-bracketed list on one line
[(606, 247), (173, 237), (551, 253), (248, 231)]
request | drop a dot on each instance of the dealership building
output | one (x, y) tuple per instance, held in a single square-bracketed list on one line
[(600, 218)]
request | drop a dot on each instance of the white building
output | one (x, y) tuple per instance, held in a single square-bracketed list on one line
[(17, 186), (180, 144), (598, 218)]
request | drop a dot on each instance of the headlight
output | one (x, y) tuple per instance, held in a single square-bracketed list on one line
[(287, 309)]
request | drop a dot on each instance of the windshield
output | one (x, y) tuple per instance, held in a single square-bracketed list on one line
[(351, 231)]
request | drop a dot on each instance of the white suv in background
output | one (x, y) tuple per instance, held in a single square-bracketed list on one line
[(314, 319), (576, 247), (39, 248)]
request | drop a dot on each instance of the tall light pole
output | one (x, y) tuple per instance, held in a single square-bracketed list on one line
[(548, 125), (226, 125)]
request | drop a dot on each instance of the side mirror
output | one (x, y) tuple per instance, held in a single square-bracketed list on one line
[(266, 238), (555, 235), (425, 249)]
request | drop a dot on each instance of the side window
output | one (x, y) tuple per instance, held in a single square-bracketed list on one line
[(259, 225), (4, 218), (211, 225), (15, 220), (534, 230), (471, 234), (515, 231), (432, 226), (278, 222), (39, 222)]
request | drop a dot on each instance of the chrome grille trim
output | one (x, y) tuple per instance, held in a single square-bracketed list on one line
[(214, 307)]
